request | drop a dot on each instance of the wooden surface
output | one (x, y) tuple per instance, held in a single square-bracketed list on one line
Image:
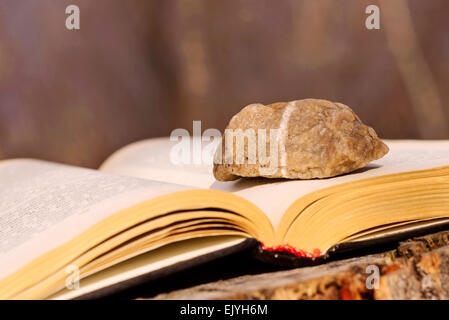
[(417, 269)]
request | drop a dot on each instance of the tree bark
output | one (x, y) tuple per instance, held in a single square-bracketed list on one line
[(417, 269)]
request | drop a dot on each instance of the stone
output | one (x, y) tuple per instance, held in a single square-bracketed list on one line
[(314, 138)]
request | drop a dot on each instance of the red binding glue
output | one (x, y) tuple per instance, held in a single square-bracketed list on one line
[(297, 252)]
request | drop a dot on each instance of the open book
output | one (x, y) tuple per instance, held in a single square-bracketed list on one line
[(140, 213)]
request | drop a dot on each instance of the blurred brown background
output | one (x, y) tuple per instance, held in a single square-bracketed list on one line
[(139, 69)]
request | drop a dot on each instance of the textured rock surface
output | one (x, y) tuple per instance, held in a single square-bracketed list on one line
[(315, 138)]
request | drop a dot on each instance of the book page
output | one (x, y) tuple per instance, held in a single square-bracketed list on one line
[(151, 159), (146, 263), (275, 196), (44, 205)]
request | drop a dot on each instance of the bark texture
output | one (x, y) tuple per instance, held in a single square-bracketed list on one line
[(417, 269)]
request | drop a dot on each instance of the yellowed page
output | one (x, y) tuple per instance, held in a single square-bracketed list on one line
[(148, 262), (271, 196), (275, 196), (151, 159), (44, 205)]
